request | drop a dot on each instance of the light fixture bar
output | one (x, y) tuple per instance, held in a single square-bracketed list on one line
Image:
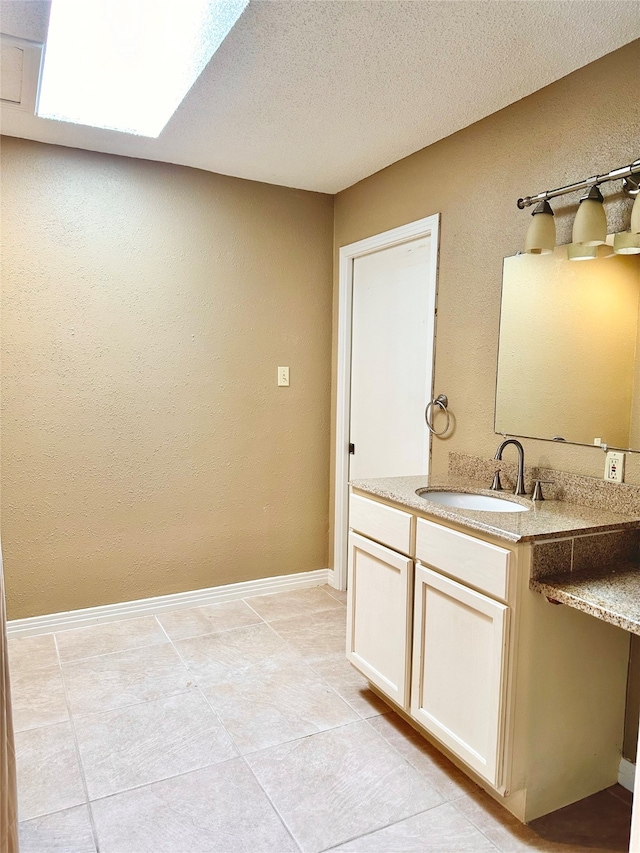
[(613, 175)]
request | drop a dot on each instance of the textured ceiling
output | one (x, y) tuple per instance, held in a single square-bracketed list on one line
[(318, 94)]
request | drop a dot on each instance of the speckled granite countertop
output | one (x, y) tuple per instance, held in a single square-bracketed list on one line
[(545, 520), (612, 595)]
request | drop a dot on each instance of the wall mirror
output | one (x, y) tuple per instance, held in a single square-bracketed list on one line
[(569, 350)]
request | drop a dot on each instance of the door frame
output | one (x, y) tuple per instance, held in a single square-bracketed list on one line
[(427, 227)]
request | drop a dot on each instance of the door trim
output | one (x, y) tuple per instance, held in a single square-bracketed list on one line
[(429, 226)]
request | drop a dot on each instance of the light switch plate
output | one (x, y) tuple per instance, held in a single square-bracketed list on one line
[(283, 377)]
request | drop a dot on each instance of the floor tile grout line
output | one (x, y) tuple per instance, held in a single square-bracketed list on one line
[(238, 757), (220, 633), (443, 802), (271, 803), (326, 592), (42, 726), (317, 674), (246, 601), (242, 757), (386, 826), (163, 697), (472, 822), (333, 689), (160, 781), (410, 763), (230, 735), (298, 663), (216, 764), (202, 693), (52, 666), (156, 618), (371, 832), (294, 615), (346, 701), (189, 670), (74, 734), (209, 633), (169, 640), (80, 715), (344, 604), (144, 647), (302, 737), (303, 661), (57, 811)]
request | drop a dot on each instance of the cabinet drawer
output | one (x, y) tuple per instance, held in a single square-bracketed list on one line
[(383, 523), (472, 561)]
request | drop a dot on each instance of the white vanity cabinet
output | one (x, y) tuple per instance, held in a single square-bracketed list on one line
[(424, 637), (526, 696)]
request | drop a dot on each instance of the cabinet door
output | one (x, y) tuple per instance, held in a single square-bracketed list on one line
[(459, 666), (379, 616)]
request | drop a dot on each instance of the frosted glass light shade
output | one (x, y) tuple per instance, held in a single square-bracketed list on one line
[(635, 216), (590, 224), (626, 243), (541, 236), (582, 252)]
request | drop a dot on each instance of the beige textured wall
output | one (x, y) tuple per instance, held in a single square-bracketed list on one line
[(586, 123), (146, 448)]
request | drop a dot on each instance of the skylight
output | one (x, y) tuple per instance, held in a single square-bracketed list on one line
[(127, 64)]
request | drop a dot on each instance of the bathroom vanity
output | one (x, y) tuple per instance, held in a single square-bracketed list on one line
[(446, 620)]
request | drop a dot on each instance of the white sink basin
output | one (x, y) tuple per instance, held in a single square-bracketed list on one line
[(464, 500)]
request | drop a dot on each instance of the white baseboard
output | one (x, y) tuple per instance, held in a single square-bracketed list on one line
[(626, 774), (149, 606)]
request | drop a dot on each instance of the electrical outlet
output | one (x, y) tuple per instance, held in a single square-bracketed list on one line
[(614, 466), (283, 377)]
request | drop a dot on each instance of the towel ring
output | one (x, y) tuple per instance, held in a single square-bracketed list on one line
[(442, 402)]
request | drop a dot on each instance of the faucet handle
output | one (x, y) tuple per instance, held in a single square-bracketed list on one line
[(537, 490), (496, 486)]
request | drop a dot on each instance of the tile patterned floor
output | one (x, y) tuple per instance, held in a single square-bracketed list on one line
[(241, 727)]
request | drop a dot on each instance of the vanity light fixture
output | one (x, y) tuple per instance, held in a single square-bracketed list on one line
[(628, 242), (541, 236), (590, 224), (584, 252)]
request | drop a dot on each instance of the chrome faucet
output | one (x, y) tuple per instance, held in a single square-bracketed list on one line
[(497, 485)]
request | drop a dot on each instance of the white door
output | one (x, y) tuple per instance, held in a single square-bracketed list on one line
[(458, 673), (386, 323), (379, 616), (391, 360)]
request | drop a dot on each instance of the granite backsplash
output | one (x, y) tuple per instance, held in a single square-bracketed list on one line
[(564, 486)]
